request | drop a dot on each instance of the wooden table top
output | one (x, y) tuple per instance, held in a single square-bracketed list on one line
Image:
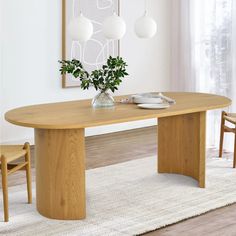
[(80, 114)]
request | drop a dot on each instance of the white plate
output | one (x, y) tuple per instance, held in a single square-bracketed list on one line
[(154, 106)]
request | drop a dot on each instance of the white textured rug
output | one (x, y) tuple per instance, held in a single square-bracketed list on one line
[(129, 199)]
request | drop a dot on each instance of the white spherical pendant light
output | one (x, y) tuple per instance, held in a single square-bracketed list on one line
[(145, 27), (80, 28), (114, 27)]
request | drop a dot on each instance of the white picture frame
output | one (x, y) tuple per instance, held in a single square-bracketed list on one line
[(95, 51)]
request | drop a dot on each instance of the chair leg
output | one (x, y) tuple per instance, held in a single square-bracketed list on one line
[(4, 187), (234, 166), (28, 172), (221, 134)]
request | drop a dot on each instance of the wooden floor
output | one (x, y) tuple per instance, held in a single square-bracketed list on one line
[(119, 147)]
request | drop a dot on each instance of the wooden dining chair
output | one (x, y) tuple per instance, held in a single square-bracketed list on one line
[(10, 153), (231, 118)]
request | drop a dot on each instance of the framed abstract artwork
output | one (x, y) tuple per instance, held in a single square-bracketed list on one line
[(95, 51)]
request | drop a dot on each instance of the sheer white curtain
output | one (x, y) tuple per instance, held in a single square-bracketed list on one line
[(204, 53)]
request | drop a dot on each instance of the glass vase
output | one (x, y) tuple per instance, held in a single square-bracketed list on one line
[(102, 100)]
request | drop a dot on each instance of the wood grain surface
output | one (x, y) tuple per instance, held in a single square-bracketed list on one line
[(60, 173), (181, 142), (80, 114)]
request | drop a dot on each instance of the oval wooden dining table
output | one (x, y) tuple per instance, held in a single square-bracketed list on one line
[(60, 146)]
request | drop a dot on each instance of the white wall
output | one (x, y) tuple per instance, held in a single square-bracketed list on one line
[(31, 47)]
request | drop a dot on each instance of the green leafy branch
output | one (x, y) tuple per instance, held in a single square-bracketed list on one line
[(108, 77)]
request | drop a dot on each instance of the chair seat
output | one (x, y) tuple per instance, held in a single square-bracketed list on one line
[(231, 117), (12, 152)]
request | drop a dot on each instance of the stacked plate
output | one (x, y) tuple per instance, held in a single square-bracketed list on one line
[(152, 100)]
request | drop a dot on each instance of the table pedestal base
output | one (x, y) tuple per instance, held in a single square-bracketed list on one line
[(60, 173), (181, 145)]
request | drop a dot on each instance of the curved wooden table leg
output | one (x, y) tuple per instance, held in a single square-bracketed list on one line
[(60, 173), (181, 145)]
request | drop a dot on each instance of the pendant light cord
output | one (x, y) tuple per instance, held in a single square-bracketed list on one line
[(145, 13), (80, 7), (113, 7)]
